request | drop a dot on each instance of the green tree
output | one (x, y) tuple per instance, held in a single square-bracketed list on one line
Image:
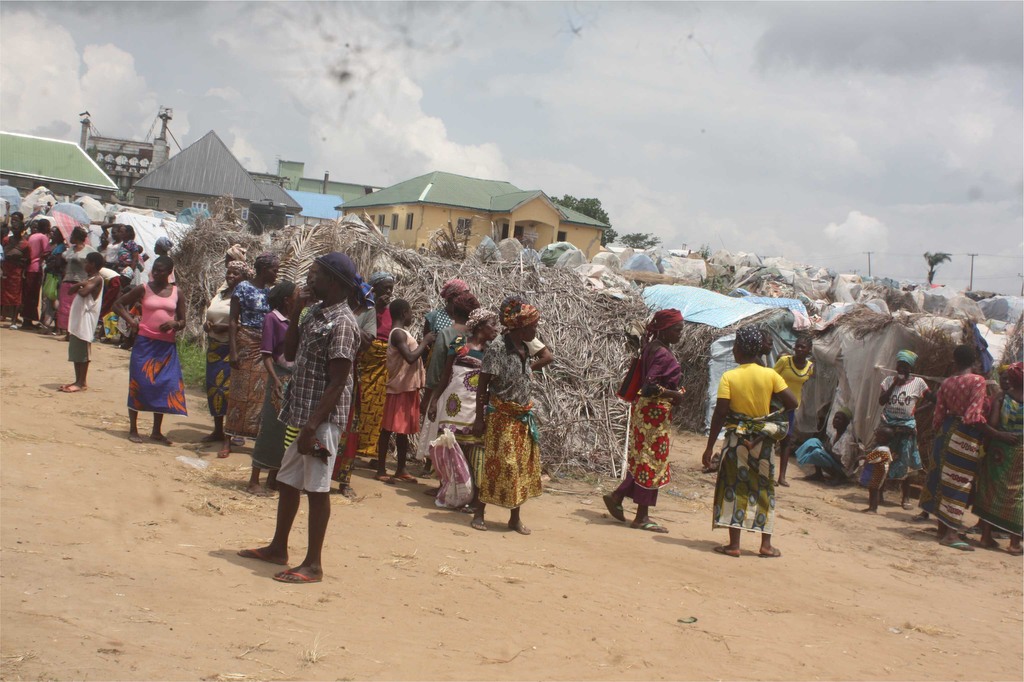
[(639, 240), (934, 260), (590, 207)]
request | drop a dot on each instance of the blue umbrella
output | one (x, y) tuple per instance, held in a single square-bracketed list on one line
[(73, 210), (11, 196)]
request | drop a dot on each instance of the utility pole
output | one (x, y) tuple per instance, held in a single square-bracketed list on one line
[(970, 287), (869, 261)]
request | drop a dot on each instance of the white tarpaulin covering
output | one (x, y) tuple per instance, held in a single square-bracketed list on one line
[(147, 231)]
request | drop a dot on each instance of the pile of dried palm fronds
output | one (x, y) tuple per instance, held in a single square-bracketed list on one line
[(583, 424), (694, 355), (199, 258), (1014, 349)]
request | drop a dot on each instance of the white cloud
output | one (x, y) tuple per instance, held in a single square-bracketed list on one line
[(41, 95), (859, 232), (226, 93), (250, 157)]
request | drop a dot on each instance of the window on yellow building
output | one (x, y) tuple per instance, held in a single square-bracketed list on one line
[(561, 236), (152, 202), (394, 221), (408, 221), (464, 226), (380, 219)]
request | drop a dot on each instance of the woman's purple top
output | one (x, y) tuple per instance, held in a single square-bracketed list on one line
[(661, 367), (275, 326)]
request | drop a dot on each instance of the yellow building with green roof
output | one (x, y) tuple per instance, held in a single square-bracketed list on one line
[(411, 211)]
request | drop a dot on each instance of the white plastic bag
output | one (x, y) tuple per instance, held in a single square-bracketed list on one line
[(453, 471)]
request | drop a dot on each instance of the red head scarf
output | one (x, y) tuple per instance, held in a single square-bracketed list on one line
[(1015, 374), (663, 319)]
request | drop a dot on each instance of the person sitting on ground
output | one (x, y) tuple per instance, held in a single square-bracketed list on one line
[(796, 369), (876, 467), (405, 381), (85, 315), (323, 344), (814, 452)]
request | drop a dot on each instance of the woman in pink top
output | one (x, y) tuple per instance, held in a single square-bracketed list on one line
[(402, 403), (38, 245), (154, 373)]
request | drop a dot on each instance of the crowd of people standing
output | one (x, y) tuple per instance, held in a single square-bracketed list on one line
[(321, 373)]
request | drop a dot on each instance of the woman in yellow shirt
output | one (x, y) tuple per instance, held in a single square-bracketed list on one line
[(745, 489), (795, 369)]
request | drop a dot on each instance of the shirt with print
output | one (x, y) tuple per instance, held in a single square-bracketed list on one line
[(903, 401), (253, 304), (326, 333), (510, 375)]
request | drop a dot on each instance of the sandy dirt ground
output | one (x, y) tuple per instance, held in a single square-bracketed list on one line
[(118, 562)]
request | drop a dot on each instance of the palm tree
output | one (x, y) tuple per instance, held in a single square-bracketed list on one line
[(934, 261)]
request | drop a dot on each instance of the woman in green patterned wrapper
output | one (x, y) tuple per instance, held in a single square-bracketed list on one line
[(745, 489)]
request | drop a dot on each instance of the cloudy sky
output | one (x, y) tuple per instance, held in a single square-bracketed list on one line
[(816, 131)]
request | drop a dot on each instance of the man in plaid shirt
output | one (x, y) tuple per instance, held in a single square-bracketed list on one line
[(324, 347)]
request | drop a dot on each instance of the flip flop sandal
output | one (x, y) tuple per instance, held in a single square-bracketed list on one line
[(906, 505), (962, 546), (407, 478), (774, 555), (258, 554), (295, 577), (614, 509), (390, 480), (725, 552), (652, 527)]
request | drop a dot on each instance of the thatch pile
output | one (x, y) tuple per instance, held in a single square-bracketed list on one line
[(199, 258), (1014, 349), (694, 355), (583, 424)]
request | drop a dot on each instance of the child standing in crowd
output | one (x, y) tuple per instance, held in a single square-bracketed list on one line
[(876, 468), (402, 403), (82, 321)]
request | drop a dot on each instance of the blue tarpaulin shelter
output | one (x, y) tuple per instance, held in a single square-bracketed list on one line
[(700, 305)]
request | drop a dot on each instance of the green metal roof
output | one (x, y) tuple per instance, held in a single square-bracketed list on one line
[(449, 189), (47, 159)]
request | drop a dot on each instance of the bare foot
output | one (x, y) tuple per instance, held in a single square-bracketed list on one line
[(160, 438), (784, 483), (134, 437), (869, 510), (728, 551), (255, 489), (519, 528)]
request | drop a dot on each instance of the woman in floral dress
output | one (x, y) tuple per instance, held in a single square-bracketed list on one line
[(649, 442)]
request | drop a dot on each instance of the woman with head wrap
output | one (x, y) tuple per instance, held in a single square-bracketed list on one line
[(999, 488), (505, 418), (902, 394), (439, 319), (651, 417), (961, 427), (458, 387), (796, 369), (745, 489), (372, 369), (460, 307), (249, 307), (218, 351)]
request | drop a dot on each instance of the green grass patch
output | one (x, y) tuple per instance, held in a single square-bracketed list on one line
[(192, 356)]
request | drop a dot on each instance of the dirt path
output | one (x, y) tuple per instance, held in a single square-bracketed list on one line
[(119, 563)]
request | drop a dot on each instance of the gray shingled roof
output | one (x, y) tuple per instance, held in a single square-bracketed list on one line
[(207, 167)]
